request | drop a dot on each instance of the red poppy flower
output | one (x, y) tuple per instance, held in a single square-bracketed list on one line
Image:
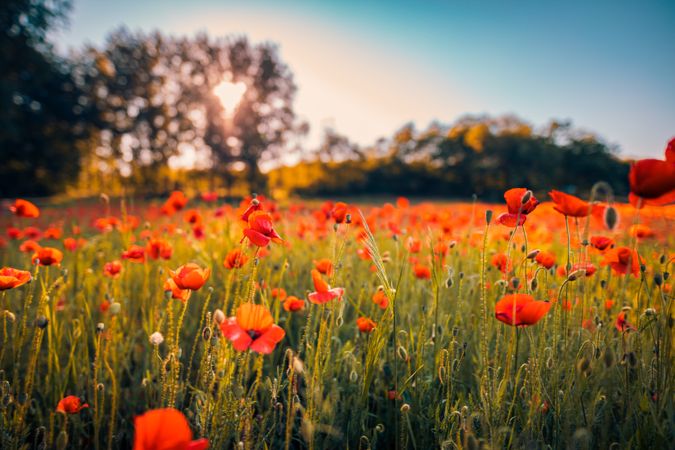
[(339, 212), (70, 244), (32, 233), (192, 217), (292, 304), (235, 259), (165, 429), (70, 405), (190, 276), (517, 208), (24, 208), (253, 327), (414, 245), (520, 310), (365, 325), (602, 243), (279, 293), (324, 293), (14, 233), (29, 246), (52, 233), (11, 278), (176, 201), (422, 272), (158, 248), (176, 293), (260, 230), (514, 201), (654, 179), (47, 256), (641, 231), (325, 266), (112, 269), (135, 253), (501, 262), (380, 299), (623, 260), (622, 324), (569, 205), (545, 259)]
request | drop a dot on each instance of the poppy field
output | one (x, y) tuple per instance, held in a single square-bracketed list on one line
[(545, 321)]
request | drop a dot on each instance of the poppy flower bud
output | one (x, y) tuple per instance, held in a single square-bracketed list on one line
[(643, 268), (576, 274), (348, 218), (62, 440), (448, 282), (650, 312), (608, 357), (10, 316), (610, 217), (100, 327), (156, 338), (658, 279), (583, 366), (488, 216), (603, 283), (218, 316), (452, 244), (41, 322), (666, 275), (405, 408), (662, 259), (533, 254), (534, 284), (515, 282)]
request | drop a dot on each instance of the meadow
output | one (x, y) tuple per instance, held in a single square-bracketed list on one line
[(535, 323)]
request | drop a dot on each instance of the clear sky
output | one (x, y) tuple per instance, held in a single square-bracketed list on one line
[(366, 68)]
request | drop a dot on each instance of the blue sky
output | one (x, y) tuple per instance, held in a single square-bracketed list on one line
[(367, 67)]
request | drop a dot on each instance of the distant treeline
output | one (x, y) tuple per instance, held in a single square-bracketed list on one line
[(476, 155)]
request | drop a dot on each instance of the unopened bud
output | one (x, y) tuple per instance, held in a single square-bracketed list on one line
[(533, 254), (41, 322), (576, 274), (218, 316), (488, 216), (610, 217)]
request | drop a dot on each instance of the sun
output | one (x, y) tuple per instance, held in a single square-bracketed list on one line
[(230, 95)]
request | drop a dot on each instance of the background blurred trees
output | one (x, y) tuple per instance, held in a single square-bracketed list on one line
[(141, 113), (42, 118)]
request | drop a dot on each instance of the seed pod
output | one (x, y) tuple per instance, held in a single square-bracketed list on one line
[(658, 279), (41, 322), (488, 216), (218, 316), (515, 282), (348, 218), (533, 254), (608, 357), (610, 217)]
